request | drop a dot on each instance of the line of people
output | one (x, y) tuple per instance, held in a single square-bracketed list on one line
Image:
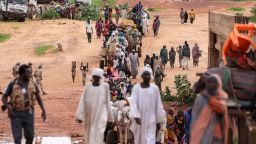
[(184, 54)]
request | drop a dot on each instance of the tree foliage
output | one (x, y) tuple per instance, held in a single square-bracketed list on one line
[(124, 6), (166, 96), (50, 14), (184, 94), (253, 17), (90, 11), (253, 11)]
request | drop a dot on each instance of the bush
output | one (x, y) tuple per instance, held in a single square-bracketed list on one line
[(239, 14), (253, 11), (50, 14), (167, 96), (90, 11), (253, 17), (184, 94), (237, 9), (124, 6)]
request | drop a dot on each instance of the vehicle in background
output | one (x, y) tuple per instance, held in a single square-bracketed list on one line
[(14, 9)]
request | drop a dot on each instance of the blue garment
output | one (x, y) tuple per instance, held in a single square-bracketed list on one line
[(121, 40), (188, 118)]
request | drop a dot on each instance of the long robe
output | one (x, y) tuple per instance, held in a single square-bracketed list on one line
[(172, 55), (134, 64), (145, 23), (94, 110), (146, 104), (196, 54), (207, 125), (164, 56)]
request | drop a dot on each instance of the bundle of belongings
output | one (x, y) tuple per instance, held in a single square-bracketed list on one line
[(238, 75)]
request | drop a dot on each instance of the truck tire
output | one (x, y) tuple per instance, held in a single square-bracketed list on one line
[(21, 19)]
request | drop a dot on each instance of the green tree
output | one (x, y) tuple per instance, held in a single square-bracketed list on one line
[(184, 94)]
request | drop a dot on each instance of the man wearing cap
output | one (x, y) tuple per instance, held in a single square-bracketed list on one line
[(94, 108), (146, 109)]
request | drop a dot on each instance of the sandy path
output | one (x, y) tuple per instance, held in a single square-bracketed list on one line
[(63, 95)]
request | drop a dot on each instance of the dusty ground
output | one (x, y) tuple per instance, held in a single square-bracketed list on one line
[(63, 95)]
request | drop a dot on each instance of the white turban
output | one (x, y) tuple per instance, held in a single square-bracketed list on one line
[(147, 65), (97, 72), (146, 69)]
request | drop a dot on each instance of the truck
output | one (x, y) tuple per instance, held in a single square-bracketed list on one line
[(14, 9)]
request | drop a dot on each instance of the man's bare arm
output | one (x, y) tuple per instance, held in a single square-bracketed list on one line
[(40, 102)]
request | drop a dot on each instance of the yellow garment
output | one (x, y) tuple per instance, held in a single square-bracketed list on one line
[(192, 14), (170, 128)]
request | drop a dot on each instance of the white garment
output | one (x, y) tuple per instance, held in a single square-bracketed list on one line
[(115, 62), (184, 61), (94, 110), (146, 104), (123, 91), (88, 28), (145, 23), (123, 13), (122, 75)]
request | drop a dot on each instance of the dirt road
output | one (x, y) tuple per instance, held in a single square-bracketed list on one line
[(63, 95)]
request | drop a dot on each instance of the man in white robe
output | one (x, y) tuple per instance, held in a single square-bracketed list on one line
[(146, 109), (134, 58), (94, 108), (144, 23)]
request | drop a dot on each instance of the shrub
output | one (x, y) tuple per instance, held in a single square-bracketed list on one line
[(90, 11), (236, 9), (239, 14), (253, 11), (184, 94), (253, 17), (124, 6), (50, 14), (166, 96)]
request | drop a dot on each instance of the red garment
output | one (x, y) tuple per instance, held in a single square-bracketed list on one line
[(106, 29)]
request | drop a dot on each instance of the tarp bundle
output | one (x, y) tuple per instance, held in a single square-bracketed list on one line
[(238, 83)]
